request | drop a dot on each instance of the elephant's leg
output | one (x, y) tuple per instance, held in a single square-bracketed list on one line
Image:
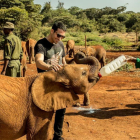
[(33, 58), (24, 71), (77, 104), (86, 101), (103, 60), (30, 56)]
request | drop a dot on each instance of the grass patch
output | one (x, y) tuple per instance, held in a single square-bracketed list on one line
[(126, 67), (109, 42)]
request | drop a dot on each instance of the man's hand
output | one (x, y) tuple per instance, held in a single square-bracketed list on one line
[(55, 67), (130, 58), (54, 62)]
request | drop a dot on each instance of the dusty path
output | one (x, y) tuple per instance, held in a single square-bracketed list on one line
[(114, 112)]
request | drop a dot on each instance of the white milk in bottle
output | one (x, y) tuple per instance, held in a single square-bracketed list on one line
[(113, 65)]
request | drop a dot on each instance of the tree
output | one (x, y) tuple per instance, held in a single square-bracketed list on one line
[(74, 10), (13, 14), (46, 8), (136, 28), (23, 13), (11, 3), (60, 5), (131, 21)]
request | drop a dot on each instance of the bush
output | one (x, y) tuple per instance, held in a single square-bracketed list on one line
[(114, 41), (138, 48), (126, 67), (97, 39)]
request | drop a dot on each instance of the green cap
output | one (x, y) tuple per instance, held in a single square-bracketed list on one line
[(9, 25)]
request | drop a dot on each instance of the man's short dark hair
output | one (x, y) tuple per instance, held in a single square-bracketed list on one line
[(59, 25)]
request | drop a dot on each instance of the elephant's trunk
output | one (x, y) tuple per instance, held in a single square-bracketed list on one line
[(80, 58)]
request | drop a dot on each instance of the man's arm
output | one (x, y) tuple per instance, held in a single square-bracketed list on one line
[(39, 59), (7, 55), (64, 61), (6, 61)]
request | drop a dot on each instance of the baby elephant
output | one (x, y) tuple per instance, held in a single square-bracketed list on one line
[(70, 48), (27, 104), (97, 51)]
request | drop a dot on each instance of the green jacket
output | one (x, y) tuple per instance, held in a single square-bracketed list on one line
[(12, 48), (137, 64)]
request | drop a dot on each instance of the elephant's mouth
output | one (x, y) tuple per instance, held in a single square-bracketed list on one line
[(91, 79)]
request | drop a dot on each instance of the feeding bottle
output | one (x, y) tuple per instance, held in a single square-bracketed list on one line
[(113, 65)]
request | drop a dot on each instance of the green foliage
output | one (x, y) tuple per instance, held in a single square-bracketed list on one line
[(32, 21), (109, 23), (13, 14), (5, 4), (114, 41), (131, 21), (126, 67), (138, 48), (74, 10), (23, 13), (94, 38)]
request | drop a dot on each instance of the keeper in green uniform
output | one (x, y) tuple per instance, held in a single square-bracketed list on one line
[(12, 52)]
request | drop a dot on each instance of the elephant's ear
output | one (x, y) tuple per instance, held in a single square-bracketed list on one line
[(50, 92)]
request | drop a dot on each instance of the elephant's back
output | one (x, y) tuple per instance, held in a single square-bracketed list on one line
[(100, 50), (13, 104)]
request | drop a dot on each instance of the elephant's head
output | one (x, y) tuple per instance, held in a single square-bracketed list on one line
[(81, 58), (56, 90), (90, 51)]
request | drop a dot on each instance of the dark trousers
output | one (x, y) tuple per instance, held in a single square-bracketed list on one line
[(59, 118)]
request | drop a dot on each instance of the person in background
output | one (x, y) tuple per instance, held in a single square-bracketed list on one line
[(12, 52), (50, 55)]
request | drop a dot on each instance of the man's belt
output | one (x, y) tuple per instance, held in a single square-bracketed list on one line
[(14, 59)]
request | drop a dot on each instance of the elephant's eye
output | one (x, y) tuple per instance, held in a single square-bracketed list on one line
[(84, 73)]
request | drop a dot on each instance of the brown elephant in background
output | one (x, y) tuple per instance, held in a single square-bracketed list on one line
[(27, 104), (97, 51), (30, 44), (24, 59), (70, 48)]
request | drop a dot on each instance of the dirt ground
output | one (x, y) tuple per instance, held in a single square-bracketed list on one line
[(114, 111)]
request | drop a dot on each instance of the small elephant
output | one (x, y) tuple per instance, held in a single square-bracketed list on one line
[(27, 104), (30, 44), (70, 48), (24, 59), (97, 51)]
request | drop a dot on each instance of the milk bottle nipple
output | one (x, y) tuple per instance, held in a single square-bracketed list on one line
[(113, 65)]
